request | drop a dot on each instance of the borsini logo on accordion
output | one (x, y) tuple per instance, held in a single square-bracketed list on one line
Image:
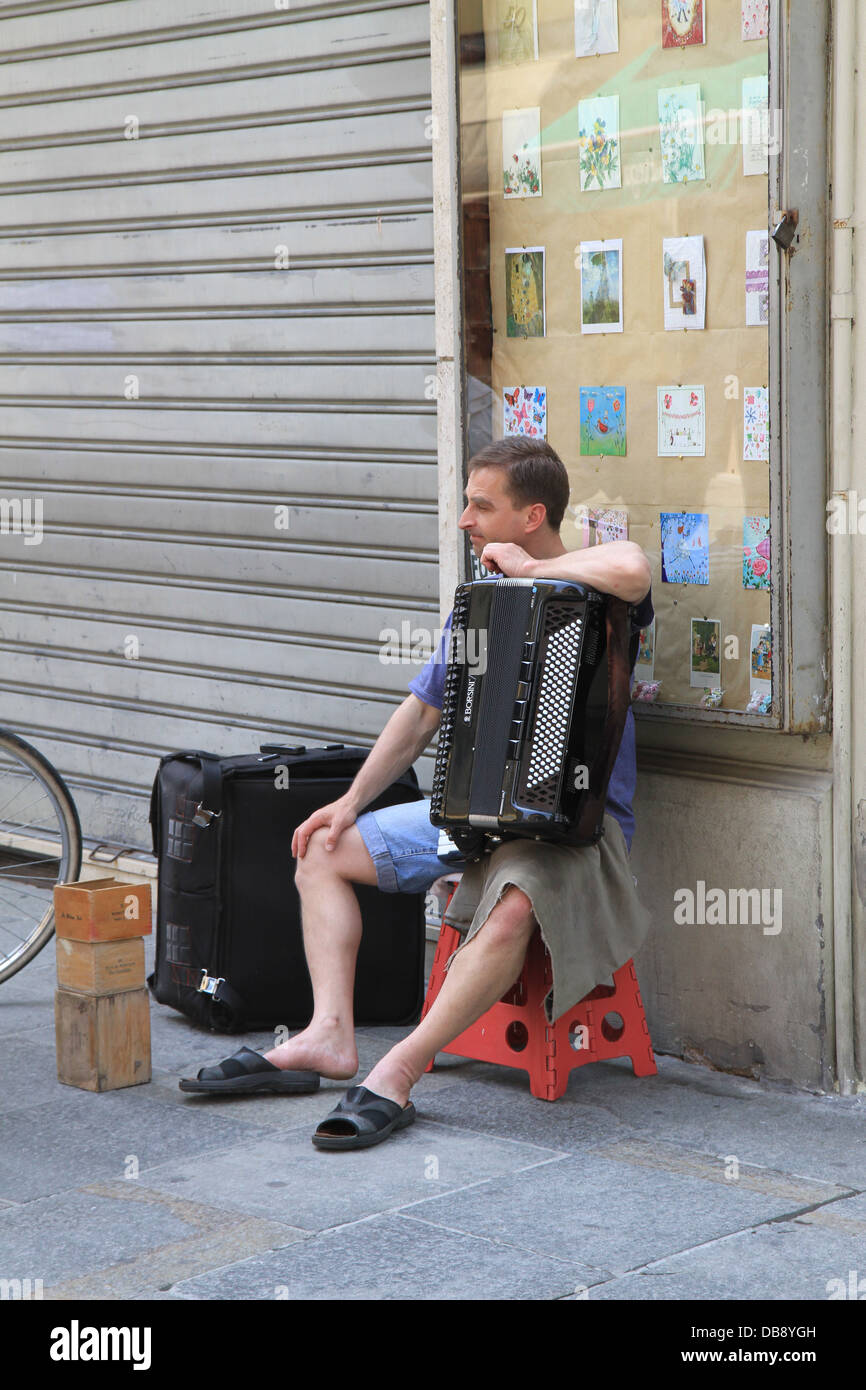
[(470, 696)]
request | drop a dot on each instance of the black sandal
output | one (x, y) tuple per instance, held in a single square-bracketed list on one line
[(361, 1119), (249, 1071)]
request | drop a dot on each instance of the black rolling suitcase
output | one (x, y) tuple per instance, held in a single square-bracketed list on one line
[(229, 948)]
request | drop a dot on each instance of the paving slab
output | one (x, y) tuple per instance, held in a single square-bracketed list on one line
[(284, 1177), (389, 1258), (139, 1240), (816, 1256), (819, 1136), (612, 1213), (28, 1072), (48, 1148)]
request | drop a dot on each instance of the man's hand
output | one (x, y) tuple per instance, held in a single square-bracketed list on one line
[(339, 815), (504, 558)]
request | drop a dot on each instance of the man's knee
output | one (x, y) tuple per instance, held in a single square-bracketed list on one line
[(349, 859), (512, 919)]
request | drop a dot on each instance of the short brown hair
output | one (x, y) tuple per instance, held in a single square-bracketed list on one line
[(535, 473)]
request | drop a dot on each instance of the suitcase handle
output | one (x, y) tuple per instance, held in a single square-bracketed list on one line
[(299, 750)]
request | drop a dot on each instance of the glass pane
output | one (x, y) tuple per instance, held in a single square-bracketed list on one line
[(614, 171)]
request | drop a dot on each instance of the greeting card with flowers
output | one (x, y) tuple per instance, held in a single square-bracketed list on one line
[(755, 19), (681, 421), (756, 552), (598, 131), (602, 420), (521, 152), (681, 133), (756, 423)]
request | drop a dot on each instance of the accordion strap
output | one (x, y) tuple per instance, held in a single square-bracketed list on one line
[(618, 700)]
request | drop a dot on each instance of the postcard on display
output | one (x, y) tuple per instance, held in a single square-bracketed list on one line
[(756, 552), (610, 524), (601, 286), (706, 653), (525, 411), (645, 662), (682, 23), (755, 19), (681, 421), (517, 30), (756, 423), (598, 134), (756, 125), (595, 27), (602, 420), (685, 282), (682, 133), (685, 538), (521, 152), (761, 657), (524, 291), (757, 278)]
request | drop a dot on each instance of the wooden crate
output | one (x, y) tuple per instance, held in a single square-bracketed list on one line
[(103, 1041), (100, 967), (102, 909)]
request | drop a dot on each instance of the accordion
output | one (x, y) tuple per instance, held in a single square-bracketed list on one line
[(536, 697)]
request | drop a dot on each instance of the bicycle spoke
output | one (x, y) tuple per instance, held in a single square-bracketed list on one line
[(26, 863), (16, 827), (27, 783)]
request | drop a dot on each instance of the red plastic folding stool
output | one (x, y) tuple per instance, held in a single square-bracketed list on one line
[(608, 1022)]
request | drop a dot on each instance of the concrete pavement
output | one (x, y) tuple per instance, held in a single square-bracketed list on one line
[(691, 1185)]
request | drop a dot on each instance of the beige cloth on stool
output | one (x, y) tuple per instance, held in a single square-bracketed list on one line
[(584, 899)]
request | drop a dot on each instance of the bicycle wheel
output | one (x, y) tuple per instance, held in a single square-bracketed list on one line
[(40, 846)]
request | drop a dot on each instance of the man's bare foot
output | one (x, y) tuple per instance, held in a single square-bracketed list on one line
[(324, 1047), (391, 1077)]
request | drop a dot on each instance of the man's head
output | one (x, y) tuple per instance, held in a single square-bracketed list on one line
[(517, 491)]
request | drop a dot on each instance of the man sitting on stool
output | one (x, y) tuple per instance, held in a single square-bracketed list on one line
[(516, 496)]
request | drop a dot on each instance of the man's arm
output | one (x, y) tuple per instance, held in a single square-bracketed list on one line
[(618, 567), (403, 739)]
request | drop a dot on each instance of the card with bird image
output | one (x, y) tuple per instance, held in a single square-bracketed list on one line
[(603, 420)]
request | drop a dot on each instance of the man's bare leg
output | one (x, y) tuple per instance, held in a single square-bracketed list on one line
[(477, 977), (331, 920)]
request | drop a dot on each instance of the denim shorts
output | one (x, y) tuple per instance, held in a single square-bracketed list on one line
[(403, 845)]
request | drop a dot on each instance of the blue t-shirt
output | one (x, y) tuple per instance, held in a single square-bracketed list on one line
[(429, 686)]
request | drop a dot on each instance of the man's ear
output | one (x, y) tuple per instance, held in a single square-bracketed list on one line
[(536, 516)]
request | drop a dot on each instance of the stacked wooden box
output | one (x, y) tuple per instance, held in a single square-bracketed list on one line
[(101, 1005)]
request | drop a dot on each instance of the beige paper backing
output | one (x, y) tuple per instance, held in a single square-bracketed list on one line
[(725, 358)]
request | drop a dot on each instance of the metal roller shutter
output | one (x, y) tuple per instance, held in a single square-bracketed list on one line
[(170, 377)]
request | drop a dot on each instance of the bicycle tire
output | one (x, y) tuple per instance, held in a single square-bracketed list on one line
[(70, 828)]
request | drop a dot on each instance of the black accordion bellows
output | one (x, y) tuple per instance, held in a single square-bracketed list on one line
[(536, 697)]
